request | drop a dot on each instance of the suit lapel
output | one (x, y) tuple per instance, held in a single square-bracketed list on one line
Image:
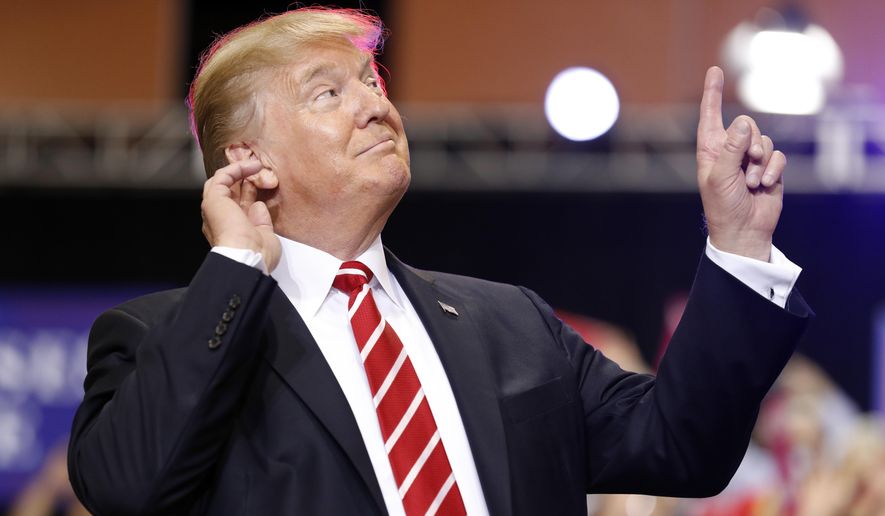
[(295, 356), (470, 374)]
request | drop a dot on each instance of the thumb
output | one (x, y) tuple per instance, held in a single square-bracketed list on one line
[(259, 215), (737, 142)]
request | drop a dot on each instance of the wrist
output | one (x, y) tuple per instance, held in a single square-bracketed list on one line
[(235, 241), (244, 256), (751, 246)]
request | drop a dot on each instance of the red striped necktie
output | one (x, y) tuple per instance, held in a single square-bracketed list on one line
[(420, 466)]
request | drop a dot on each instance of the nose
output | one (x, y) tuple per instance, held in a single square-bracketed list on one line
[(372, 105)]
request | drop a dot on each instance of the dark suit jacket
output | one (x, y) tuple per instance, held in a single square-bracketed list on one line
[(255, 423)]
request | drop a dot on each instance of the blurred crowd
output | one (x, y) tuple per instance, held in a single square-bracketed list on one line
[(49, 492)]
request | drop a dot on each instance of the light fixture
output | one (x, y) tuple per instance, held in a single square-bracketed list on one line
[(783, 63), (581, 104)]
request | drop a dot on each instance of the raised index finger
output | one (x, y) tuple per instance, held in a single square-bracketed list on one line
[(711, 104)]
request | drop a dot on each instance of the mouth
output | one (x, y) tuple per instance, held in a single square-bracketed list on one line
[(380, 144)]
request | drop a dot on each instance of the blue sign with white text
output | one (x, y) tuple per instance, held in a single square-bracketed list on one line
[(43, 339)]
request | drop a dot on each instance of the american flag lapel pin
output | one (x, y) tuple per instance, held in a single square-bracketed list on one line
[(449, 309)]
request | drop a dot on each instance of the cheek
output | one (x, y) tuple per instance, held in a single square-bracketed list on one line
[(328, 129), (315, 136), (404, 151)]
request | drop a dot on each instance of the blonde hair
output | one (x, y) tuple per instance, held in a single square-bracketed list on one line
[(222, 94)]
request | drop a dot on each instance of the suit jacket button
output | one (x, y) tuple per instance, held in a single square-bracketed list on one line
[(220, 329), (227, 316), (214, 342), (234, 302)]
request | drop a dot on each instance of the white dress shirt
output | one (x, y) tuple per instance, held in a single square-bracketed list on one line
[(773, 280), (305, 276)]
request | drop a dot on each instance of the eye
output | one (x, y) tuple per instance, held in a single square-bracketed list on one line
[(329, 93), (373, 83)]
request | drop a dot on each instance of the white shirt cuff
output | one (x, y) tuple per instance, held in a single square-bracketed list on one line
[(773, 280), (244, 256)]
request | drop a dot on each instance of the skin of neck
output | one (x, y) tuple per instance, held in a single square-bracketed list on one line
[(345, 233)]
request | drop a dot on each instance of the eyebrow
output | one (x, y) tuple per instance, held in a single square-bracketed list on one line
[(328, 68), (317, 71), (367, 64)]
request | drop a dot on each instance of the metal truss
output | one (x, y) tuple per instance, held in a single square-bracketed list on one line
[(460, 147), (121, 146)]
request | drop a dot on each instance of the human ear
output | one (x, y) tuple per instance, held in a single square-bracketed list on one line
[(239, 152), (266, 178)]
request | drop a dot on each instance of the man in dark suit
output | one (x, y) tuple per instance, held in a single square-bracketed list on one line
[(257, 390)]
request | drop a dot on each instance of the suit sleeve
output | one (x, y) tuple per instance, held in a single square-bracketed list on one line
[(685, 432), (162, 390)]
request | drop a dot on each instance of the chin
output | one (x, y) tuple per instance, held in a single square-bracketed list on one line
[(395, 174)]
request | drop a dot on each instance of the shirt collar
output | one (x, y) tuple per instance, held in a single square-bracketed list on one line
[(305, 274)]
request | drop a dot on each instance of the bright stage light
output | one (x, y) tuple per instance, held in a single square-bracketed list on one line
[(784, 71), (581, 104)]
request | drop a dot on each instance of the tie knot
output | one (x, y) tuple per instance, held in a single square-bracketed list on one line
[(351, 276)]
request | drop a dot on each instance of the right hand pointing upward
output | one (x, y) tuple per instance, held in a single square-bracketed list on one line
[(742, 207), (232, 215)]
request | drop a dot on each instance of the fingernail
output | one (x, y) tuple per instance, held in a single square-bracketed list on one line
[(743, 128), (757, 149)]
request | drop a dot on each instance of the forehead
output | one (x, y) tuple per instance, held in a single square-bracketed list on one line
[(317, 60)]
